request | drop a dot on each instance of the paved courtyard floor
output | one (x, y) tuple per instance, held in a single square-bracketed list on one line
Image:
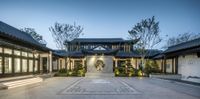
[(103, 88)]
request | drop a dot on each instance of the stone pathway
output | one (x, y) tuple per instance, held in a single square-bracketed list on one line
[(103, 88), (99, 86)]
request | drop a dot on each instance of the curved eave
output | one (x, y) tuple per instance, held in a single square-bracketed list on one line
[(23, 42)]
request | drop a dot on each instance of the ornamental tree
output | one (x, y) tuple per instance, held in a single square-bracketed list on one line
[(148, 34), (65, 32)]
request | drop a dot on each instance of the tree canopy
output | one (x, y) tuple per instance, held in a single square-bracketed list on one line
[(147, 31), (35, 35), (65, 32), (181, 38)]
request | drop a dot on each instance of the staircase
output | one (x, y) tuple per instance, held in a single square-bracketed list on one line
[(18, 83), (98, 75)]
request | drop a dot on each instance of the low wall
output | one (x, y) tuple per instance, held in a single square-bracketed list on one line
[(166, 76)]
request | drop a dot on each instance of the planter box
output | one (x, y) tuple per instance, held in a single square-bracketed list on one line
[(166, 76)]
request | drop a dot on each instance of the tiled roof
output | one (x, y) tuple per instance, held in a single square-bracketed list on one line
[(127, 54), (99, 40), (159, 56), (184, 45), (9, 31), (64, 53), (61, 53), (106, 52)]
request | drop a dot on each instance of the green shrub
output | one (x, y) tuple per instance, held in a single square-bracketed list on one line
[(81, 73), (151, 67), (131, 72), (117, 72), (63, 71), (139, 73)]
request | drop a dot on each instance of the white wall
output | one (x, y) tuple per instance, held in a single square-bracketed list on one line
[(159, 62), (169, 65), (108, 61), (189, 66), (61, 65)]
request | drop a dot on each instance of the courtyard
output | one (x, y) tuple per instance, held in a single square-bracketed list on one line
[(103, 88)]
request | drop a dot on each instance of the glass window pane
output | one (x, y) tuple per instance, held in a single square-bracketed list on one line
[(36, 66), (16, 52), (30, 65), (7, 51), (17, 65), (54, 65), (30, 54), (0, 49), (1, 67), (24, 54), (24, 65), (8, 64), (36, 55)]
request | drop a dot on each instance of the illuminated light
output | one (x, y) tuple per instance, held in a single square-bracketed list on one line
[(140, 77)]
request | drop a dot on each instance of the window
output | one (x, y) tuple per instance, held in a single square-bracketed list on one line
[(17, 65), (1, 49), (61, 64), (16, 52), (24, 65), (24, 54), (36, 66), (30, 54), (7, 51), (167, 66), (1, 67), (54, 64), (36, 55), (30, 65), (8, 64)]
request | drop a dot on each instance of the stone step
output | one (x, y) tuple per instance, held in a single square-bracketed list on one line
[(18, 83), (95, 75)]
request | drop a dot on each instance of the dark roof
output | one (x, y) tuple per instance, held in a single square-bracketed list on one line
[(185, 45), (61, 53), (149, 53), (127, 54), (99, 40), (153, 52), (159, 56), (64, 53), (11, 32), (75, 54), (106, 52)]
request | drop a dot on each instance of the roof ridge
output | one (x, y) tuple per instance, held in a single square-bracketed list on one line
[(18, 34), (184, 42)]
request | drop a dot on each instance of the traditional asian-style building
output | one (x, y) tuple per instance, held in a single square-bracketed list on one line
[(184, 59), (20, 54)]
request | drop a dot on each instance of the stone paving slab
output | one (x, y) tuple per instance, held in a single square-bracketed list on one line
[(93, 88), (99, 86)]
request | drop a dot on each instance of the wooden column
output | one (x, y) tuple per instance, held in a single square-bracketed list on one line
[(115, 62), (136, 64), (50, 62), (13, 66), (172, 65), (83, 63), (176, 65), (165, 64), (3, 63), (161, 65)]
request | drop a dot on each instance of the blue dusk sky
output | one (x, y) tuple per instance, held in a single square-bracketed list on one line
[(102, 18)]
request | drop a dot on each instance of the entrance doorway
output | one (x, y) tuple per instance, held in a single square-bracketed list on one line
[(44, 64)]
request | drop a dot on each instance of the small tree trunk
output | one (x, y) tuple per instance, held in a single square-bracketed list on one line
[(143, 64)]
